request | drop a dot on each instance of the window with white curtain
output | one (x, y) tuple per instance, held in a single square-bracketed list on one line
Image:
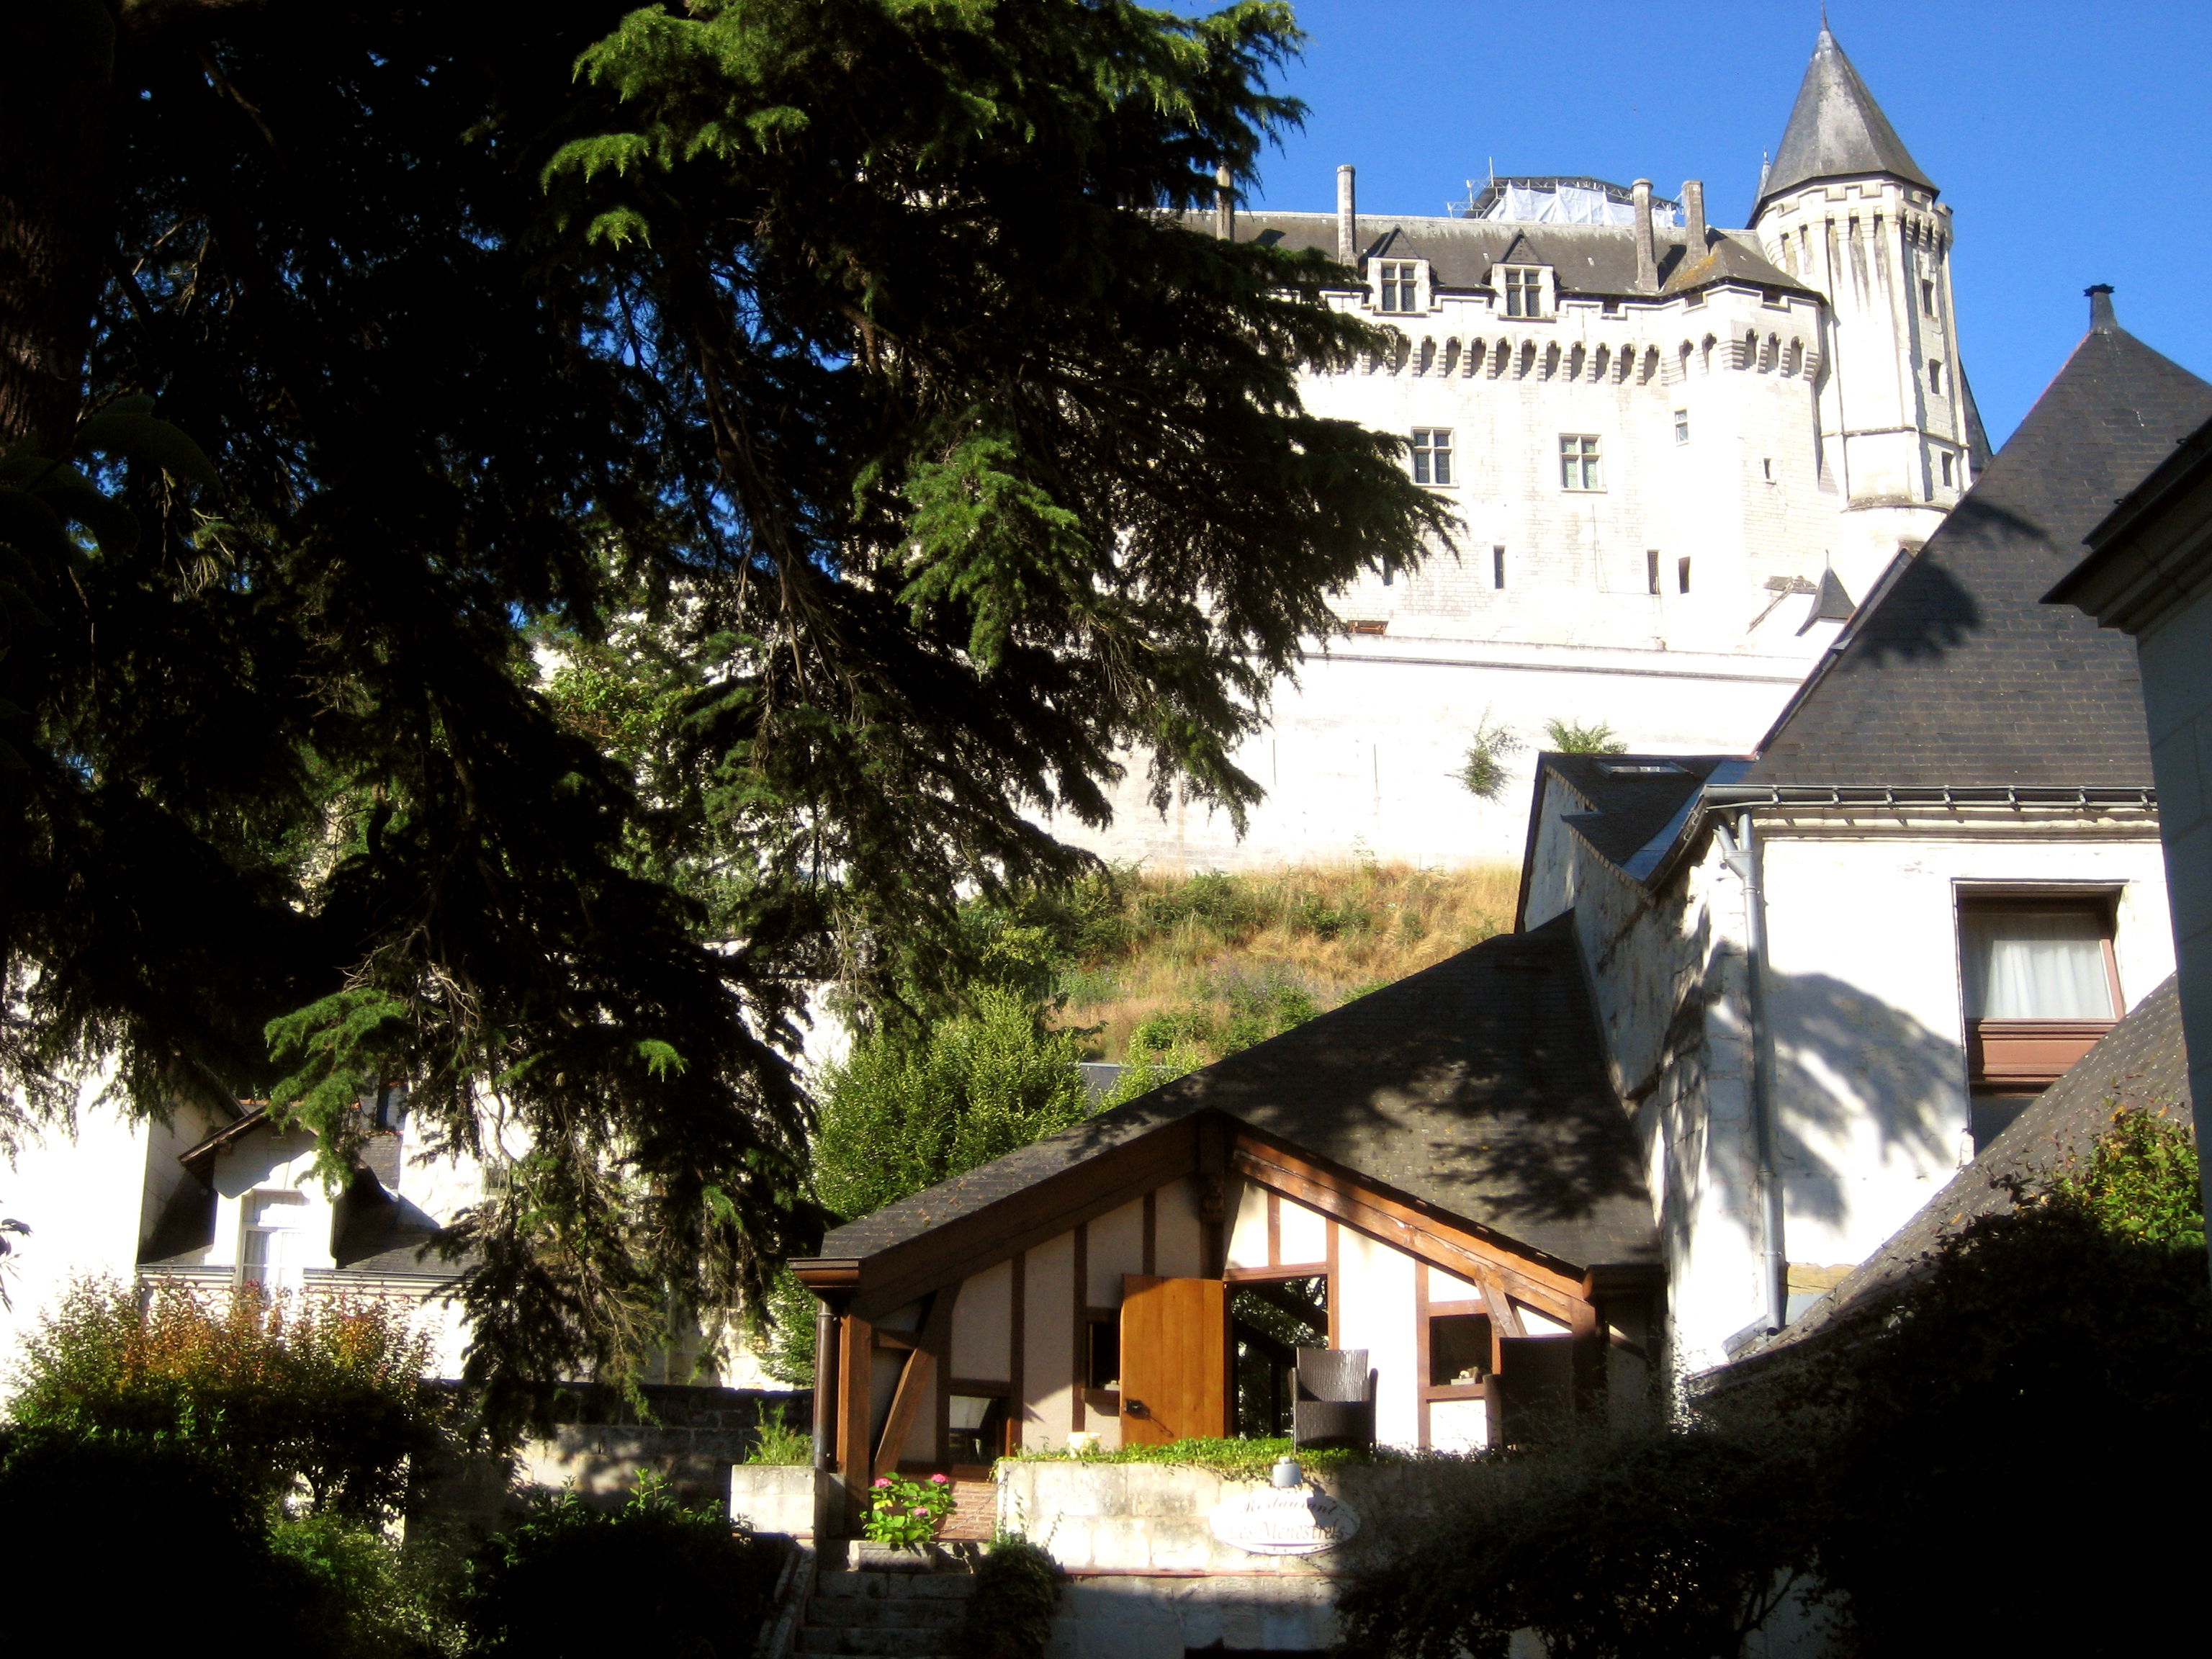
[(2023, 963), (269, 1252)]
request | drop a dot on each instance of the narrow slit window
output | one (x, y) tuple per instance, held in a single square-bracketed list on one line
[(1651, 571), (1683, 574), (1682, 416), (1927, 296), (1945, 458), (1497, 566), (1936, 375)]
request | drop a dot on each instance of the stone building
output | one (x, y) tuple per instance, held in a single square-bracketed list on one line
[(1678, 454)]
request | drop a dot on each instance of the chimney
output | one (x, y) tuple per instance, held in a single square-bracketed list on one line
[(1348, 219), (1225, 203), (2101, 320), (1694, 215), (1647, 261)]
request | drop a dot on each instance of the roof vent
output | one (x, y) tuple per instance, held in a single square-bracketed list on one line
[(1641, 768)]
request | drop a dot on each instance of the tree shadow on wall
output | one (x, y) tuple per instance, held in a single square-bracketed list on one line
[(1845, 1062)]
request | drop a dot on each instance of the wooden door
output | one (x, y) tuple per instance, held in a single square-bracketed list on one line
[(1175, 1359)]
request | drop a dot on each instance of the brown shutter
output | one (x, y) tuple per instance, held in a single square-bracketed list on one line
[(1175, 1359)]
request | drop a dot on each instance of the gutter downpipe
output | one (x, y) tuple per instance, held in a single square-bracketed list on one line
[(1741, 853)]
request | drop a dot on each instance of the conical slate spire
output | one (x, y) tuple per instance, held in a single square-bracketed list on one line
[(1837, 131)]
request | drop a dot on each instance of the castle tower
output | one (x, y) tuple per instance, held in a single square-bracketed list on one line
[(1845, 210)]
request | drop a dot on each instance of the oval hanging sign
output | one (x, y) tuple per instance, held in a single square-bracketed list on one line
[(1267, 1521)]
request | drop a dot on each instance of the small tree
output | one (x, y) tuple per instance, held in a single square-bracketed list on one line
[(327, 1394), (905, 1111), (1483, 774)]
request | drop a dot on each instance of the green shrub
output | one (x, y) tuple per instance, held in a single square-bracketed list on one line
[(905, 1112), (1009, 1615), (117, 1544), (369, 1598), (1483, 773), (1667, 1546), (1569, 738), (326, 1392), (1970, 1468), (574, 1582), (777, 1442)]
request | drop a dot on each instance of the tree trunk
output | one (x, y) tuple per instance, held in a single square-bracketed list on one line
[(56, 111)]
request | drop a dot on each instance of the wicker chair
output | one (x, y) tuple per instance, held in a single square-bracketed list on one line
[(1335, 1403)]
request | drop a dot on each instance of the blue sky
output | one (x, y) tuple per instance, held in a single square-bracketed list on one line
[(2073, 142)]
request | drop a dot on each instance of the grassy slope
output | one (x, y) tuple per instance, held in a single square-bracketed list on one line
[(1215, 962)]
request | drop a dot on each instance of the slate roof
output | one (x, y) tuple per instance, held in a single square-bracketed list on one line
[(1637, 804), (1476, 1086), (1585, 259), (2141, 1062), (1954, 672), (1836, 130)]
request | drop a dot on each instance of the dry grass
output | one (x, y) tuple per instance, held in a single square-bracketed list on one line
[(1203, 945)]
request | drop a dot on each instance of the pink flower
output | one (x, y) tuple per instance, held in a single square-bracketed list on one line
[(939, 1480), (883, 1483), (920, 1510)]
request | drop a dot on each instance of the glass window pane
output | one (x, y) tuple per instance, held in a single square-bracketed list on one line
[(2035, 964), (1444, 465)]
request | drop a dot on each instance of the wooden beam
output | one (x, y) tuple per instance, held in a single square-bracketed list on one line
[(1390, 1221), (856, 1369), (914, 1377), (966, 1246)]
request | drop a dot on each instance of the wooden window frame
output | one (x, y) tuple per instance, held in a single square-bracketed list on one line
[(2016, 1057)]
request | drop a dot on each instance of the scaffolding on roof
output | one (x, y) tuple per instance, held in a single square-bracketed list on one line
[(1558, 200)]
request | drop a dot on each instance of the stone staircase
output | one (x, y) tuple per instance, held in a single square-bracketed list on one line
[(861, 1613)]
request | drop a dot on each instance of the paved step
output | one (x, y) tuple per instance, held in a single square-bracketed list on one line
[(881, 1612), (877, 1644), (859, 1614)]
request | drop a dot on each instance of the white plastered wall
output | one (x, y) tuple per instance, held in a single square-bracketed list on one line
[(1863, 989)]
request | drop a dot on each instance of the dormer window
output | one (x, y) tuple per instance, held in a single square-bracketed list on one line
[(1398, 285), (1524, 290)]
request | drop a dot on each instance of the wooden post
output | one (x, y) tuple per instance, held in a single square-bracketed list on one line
[(856, 1369)]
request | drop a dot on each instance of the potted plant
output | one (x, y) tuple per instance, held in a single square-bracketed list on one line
[(906, 1513)]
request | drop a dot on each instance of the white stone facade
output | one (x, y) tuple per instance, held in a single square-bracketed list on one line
[(1788, 407), (1864, 1000)]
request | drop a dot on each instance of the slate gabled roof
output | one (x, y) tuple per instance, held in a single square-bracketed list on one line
[(1954, 672), (1836, 130), (1592, 259), (1477, 1086), (2140, 1063)]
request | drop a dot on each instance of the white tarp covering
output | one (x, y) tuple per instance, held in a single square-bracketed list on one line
[(1568, 204)]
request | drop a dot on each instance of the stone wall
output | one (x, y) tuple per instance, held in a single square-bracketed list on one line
[(1147, 1579)]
